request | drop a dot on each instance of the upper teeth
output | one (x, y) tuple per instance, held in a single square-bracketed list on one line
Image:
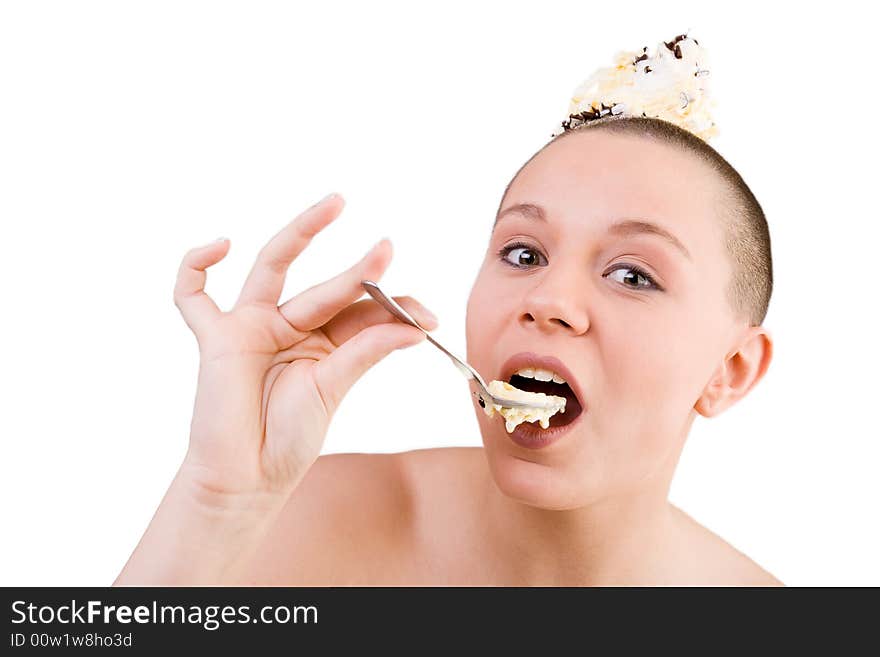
[(540, 375)]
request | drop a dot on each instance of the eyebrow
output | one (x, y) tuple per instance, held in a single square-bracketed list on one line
[(624, 227)]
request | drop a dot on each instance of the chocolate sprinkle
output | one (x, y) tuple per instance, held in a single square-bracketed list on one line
[(593, 113), (673, 45), (590, 114)]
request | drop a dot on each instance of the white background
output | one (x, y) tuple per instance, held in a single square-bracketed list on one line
[(131, 132)]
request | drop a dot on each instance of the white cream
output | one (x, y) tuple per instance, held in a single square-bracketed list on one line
[(671, 84), (516, 416)]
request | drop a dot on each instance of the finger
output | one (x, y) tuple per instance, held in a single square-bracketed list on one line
[(266, 278), (336, 373), (363, 314), (316, 306), (197, 308)]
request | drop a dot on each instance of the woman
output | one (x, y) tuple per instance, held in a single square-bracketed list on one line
[(627, 258)]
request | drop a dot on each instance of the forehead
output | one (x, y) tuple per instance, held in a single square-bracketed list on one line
[(591, 179)]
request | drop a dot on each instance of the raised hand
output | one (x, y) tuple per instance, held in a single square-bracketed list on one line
[(271, 377)]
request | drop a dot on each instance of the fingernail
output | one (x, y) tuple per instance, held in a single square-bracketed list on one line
[(326, 198), (430, 315), (371, 249), (219, 239)]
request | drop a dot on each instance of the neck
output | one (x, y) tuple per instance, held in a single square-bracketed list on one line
[(616, 540)]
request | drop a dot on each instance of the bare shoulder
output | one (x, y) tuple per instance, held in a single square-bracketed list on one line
[(714, 561), (351, 519), (348, 511), (441, 464), (441, 481)]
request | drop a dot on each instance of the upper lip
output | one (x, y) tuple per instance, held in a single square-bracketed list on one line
[(528, 359)]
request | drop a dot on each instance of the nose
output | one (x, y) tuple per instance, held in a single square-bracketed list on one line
[(556, 302)]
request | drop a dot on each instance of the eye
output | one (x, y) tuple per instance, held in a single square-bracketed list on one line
[(522, 256), (634, 277)]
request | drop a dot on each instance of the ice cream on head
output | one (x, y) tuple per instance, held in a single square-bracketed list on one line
[(670, 84)]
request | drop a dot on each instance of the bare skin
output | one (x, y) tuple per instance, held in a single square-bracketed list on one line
[(422, 518), (253, 503)]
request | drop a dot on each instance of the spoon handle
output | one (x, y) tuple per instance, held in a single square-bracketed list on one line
[(391, 305), (469, 372), (395, 309)]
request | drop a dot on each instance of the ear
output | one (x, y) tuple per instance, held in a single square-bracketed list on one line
[(738, 374)]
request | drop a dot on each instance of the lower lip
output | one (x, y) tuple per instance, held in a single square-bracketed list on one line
[(531, 436)]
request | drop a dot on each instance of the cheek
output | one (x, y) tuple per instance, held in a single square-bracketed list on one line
[(643, 410), (638, 364), (474, 315), (659, 370), (482, 311)]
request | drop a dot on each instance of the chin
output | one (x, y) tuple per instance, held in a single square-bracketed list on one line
[(533, 483)]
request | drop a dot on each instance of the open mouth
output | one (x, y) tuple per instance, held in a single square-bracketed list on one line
[(534, 379)]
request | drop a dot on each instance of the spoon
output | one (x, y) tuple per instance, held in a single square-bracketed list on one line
[(484, 395)]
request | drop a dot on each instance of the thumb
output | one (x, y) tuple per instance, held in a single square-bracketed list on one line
[(336, 373)]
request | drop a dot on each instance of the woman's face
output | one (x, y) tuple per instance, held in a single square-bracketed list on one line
[(639, 318)]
